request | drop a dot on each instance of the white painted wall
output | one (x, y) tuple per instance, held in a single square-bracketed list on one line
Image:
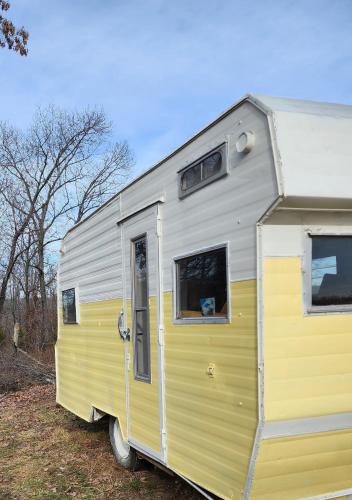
[(224, 211), (285, 233)]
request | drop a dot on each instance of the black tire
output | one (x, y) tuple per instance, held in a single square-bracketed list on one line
[(124, 454)]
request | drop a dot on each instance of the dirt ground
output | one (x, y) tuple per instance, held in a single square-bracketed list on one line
[(48, 453)]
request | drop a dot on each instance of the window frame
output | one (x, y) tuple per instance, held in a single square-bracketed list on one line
[(309, 308), (137, 376), (222, 149), (176, 289), (76, 322)]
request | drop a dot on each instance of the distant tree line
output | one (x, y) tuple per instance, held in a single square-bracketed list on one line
[(51, 176)]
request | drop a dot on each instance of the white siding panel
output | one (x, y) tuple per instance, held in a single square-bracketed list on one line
[(223, 211), (92, 256), (228, 209), (285, 233), (274, 245)]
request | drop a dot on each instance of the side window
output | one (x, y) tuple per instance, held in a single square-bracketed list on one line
[(201, 286), (202, 172), (69, 306), (141, 310), (331, 271)]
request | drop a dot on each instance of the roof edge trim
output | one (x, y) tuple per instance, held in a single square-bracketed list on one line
[(247, 97)]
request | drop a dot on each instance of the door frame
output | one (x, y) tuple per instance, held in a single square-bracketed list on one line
[(157, 205)]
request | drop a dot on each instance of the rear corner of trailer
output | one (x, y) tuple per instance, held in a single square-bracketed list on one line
[(304, 446)]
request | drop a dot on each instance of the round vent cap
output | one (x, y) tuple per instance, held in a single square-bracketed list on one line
[(245, 142)]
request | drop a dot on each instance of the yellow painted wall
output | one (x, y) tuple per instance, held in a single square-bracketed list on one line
[(144, 397), (303, 466), (91, 371), (308, 359), (90, 362), (211, 422)]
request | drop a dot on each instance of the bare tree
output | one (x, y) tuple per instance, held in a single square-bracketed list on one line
[(10, 37), (60, 170)]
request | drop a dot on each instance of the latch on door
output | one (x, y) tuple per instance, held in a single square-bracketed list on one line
[(124, 332)]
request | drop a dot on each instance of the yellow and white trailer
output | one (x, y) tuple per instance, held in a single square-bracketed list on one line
[(207, 307)]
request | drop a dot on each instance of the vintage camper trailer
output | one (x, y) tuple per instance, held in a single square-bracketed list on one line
[(207, 307)]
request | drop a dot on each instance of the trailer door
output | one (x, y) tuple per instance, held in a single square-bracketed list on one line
[(142, 325)]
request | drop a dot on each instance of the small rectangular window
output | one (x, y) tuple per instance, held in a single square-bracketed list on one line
[(202, 286), (331, 273), (205, 170), (141, 310), (69, 306)]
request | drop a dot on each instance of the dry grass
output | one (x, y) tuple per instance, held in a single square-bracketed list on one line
[(48, 453), (18, 371)]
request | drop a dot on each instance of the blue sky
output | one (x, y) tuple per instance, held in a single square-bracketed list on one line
[(163, 69)]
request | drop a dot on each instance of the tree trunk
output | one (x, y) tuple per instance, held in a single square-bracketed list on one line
[(42, 285)]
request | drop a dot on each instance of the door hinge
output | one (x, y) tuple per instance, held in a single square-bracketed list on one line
[(158, 227), (161, 335), (163, 439)]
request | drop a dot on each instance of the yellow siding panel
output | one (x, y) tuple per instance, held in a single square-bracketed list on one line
[(211, 422), (308, 359), (144, 407), (90, 362), (303, 466)]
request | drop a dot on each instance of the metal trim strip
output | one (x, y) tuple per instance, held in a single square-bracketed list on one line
[(146, 450), (331, 495), (309, 425), (139, 209)]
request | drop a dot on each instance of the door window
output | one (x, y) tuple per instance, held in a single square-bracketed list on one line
[(141, 310)]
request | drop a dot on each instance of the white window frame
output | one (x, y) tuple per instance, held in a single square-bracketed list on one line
[(310, 309), (209, 319)]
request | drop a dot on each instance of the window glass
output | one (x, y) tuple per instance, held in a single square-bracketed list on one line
[(202, 285), (141, 310), (140, 290), (206, 170), (331, 270), (69, 305), (191, 177), (211, 165)]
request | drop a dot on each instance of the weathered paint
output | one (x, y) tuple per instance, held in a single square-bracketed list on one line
[(303, 466), (211, 422), (308, 358), (91, 370), (90, 362)]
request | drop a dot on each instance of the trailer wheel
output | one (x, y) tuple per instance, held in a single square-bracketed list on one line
[(124, 454)]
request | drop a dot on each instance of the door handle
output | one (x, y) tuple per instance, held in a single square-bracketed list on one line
[(124, 332)]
